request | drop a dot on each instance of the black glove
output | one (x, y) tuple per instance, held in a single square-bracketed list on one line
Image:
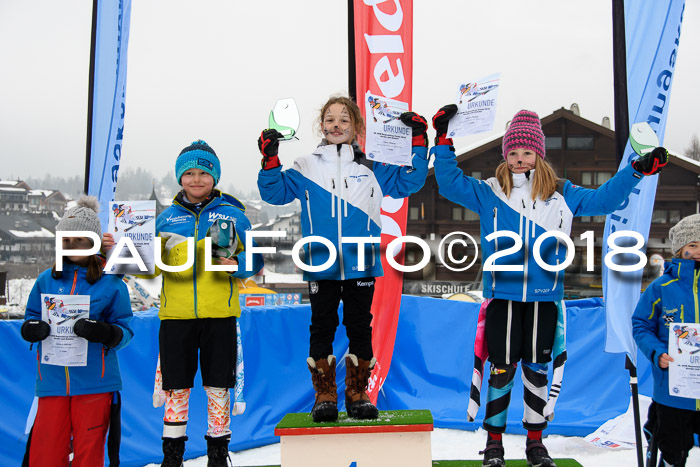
[(98, 331), (419, 127), (440, 122), (269, 143), (35, 330), (652, 162)]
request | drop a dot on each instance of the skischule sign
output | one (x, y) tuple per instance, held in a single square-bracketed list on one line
[(436, 288)]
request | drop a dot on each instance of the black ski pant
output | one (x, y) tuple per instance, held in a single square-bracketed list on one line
[(325, 296)]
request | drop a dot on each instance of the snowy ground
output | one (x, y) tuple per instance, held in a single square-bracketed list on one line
[(465, 445)]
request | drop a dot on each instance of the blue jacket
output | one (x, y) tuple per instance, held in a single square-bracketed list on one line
[(671, 298), (341, 195), (195, 292), (529, 220), (109, 302)]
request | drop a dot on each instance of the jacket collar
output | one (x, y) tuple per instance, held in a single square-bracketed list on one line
[(681, 269), (329, 152), (521, 180)]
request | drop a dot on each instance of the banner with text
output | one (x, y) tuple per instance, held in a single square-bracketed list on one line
[(109, 78), (384, 67), (652, 33)]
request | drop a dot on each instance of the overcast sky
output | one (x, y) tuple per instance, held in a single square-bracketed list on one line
[(213, 69)]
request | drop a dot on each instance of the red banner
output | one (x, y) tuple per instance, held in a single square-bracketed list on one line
[(384, 64)]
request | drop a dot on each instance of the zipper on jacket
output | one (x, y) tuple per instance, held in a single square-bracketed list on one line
[(371, 206), (340, 220), (230, 290), (495, 229), (72, 292), (194, 267), (308, 211), (345, 201), (526, 246), (556, 274), (369, 219), (332, 197)]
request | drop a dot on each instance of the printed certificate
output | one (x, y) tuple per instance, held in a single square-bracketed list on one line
[(63, 347), (684, 370), (136, 221), (476, 104), (388, 140)]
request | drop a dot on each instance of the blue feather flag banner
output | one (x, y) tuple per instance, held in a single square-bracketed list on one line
[(652, 32), (111, 37)]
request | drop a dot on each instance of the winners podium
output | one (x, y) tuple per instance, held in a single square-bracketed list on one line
[(395, 438)]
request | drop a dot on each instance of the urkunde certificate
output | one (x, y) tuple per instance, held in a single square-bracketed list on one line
[(63, 347), (684, 370)]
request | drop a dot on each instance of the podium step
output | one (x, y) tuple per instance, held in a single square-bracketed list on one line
[(398, 437)]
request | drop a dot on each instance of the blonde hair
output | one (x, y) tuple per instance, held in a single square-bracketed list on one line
[(544, 181), (354, 111)]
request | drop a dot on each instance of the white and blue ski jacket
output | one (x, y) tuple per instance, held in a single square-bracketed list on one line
[(671, 298), (341, 195), (529, 220)]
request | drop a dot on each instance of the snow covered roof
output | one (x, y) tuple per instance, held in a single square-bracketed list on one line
[(11, 189), (45, 193), (9, 182), (43, 233)]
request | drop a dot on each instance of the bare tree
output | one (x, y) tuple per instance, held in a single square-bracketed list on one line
[(693, 151)]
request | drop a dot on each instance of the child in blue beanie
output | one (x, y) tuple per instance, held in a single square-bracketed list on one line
[(198, 307)]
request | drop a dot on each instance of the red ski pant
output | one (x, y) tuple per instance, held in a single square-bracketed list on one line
[(85, 418)]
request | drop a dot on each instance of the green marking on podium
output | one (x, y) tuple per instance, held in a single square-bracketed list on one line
[(388, 421)]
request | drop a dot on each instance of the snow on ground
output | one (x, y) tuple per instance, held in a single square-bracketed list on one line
[(465, 445)]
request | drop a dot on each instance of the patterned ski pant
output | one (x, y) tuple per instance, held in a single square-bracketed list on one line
[(515, 331), (177, 407)]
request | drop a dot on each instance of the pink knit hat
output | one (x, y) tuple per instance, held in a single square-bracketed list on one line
[(524, 131)]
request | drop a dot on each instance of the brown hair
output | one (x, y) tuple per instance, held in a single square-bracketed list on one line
[(94, 269), (358, 122), (544, 182)]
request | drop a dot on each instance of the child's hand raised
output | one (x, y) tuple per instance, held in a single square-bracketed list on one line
[(107, 242)]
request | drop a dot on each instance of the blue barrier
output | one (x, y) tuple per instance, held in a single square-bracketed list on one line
[(431, 369)]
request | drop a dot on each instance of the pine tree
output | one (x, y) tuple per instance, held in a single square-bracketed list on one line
[(693, 151)]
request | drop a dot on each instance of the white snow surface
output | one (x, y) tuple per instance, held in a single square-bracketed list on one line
[(465, 445)]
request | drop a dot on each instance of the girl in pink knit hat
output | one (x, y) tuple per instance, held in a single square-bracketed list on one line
[(522, 317)]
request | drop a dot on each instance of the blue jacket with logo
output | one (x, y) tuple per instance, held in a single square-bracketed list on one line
[(109, 302), (527, 220), (196, 292), (341, 195), (671, 298)]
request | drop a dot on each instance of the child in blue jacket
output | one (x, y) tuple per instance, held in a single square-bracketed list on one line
[(341, 194), (523, 313), (75, 401), (671, 299)]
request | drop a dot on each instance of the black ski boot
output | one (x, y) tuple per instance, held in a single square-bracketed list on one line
[(537, 455), (493, 453), (173, 451), (357, 402), (217, 451)]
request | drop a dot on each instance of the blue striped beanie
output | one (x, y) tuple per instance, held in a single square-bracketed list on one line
[(198, 155)]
